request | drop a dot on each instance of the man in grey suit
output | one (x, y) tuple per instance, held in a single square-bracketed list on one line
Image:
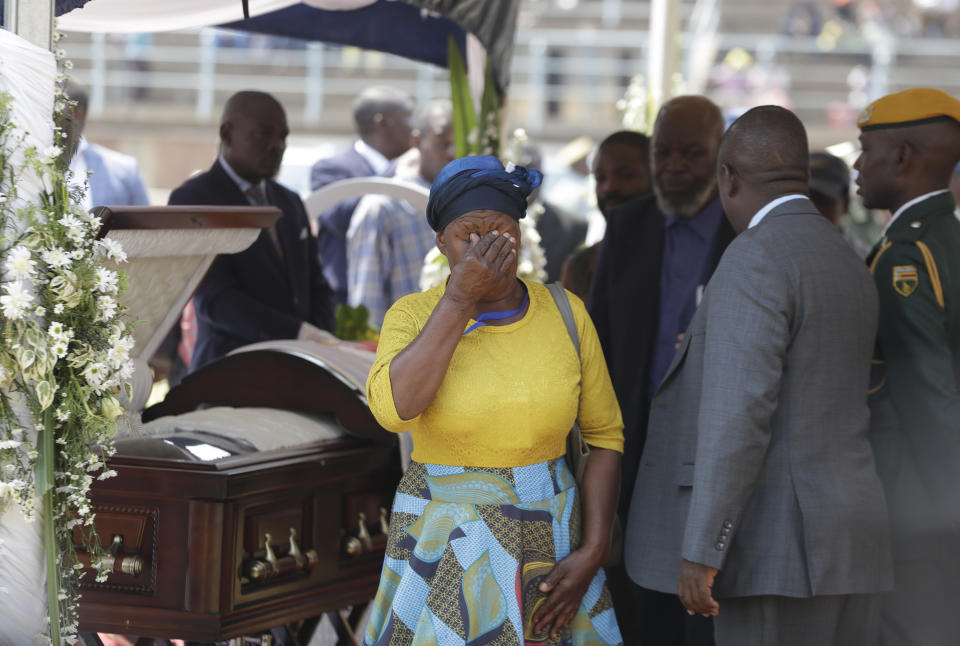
[(757, 485)]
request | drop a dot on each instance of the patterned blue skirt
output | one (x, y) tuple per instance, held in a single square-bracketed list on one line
[(467, 550)]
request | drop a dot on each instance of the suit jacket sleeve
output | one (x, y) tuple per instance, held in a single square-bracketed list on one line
[(748, 330), (133, 181), (321, 294), (598, 300), (220, 301)]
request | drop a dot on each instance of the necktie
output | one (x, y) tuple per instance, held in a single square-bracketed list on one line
[(259, 199)]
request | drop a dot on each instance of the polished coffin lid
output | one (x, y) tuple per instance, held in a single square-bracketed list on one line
[(269, 396)]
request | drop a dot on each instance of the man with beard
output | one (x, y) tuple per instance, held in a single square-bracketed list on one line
[(657, 255), (910, 144), (621, 171), (274, 289)]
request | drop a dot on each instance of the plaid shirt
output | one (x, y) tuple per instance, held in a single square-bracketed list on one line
[(386, 244)]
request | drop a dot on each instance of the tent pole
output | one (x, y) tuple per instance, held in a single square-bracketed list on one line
[(32, 20), (662, 56)]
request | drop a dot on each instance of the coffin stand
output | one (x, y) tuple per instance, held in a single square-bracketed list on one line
[(255, 495)]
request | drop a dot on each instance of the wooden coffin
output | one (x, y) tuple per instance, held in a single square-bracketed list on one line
[(187, 516), (194, 508)]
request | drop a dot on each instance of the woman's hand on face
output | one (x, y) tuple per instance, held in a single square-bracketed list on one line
[(565, 587), (484, 268)]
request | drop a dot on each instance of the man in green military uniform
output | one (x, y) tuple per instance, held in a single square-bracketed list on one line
[(910, 144)]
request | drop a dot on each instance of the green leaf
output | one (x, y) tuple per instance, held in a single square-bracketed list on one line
[(45, 391), (490, 114), (464, 113)]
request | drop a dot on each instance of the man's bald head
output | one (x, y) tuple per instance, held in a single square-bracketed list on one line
[(382, 115), (901, 163), (253, 134), (763, 155), (767, 145), (683, 154)]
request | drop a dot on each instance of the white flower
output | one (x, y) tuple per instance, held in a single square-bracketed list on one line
[(39, 311), (10, 488), (108, 307), (19, 264), (109, 473), (56, 258), (58, 308), (126, 371), (68, 65), (15, 301), (112, 249), (60, 348), (62, 415), (95, 374), (6, 445), (33, 455), (105, 280), (49, 154)]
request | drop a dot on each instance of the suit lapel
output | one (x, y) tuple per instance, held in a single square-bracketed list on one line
[(681, 353), (286, 234), (233, 196)]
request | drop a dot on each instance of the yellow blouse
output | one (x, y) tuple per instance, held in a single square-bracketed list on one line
[(511, 392)]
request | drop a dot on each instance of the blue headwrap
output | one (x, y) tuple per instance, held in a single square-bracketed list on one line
[(479, 182)]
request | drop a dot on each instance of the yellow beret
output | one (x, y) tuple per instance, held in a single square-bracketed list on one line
[(909, 108)]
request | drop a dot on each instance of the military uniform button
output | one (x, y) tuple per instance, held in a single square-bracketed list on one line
[(720, 545)]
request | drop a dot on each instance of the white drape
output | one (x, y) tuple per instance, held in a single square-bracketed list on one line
[(27, 73), (133, 16)]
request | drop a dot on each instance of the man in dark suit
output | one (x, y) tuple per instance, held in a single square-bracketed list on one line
[(657, 254), (383, 116), (621, 172), (275, 289)]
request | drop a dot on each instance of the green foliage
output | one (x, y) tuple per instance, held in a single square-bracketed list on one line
[(473, 136), (353, 324)]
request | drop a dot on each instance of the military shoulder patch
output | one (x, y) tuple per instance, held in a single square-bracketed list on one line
[(905, 279)]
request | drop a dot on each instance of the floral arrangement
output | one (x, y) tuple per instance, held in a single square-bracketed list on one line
[(64, 357)]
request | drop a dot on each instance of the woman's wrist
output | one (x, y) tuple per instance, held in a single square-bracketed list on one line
[(457, 299), (596, 550)]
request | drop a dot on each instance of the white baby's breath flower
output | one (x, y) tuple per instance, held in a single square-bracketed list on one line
[(56, 258), (39, 310), (109, 473), (112, 249), (33, 455), (16, 300), (19, 265), (58, 308), (62, 415)]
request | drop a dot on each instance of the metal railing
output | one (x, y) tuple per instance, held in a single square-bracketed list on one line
[(562, 78)]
